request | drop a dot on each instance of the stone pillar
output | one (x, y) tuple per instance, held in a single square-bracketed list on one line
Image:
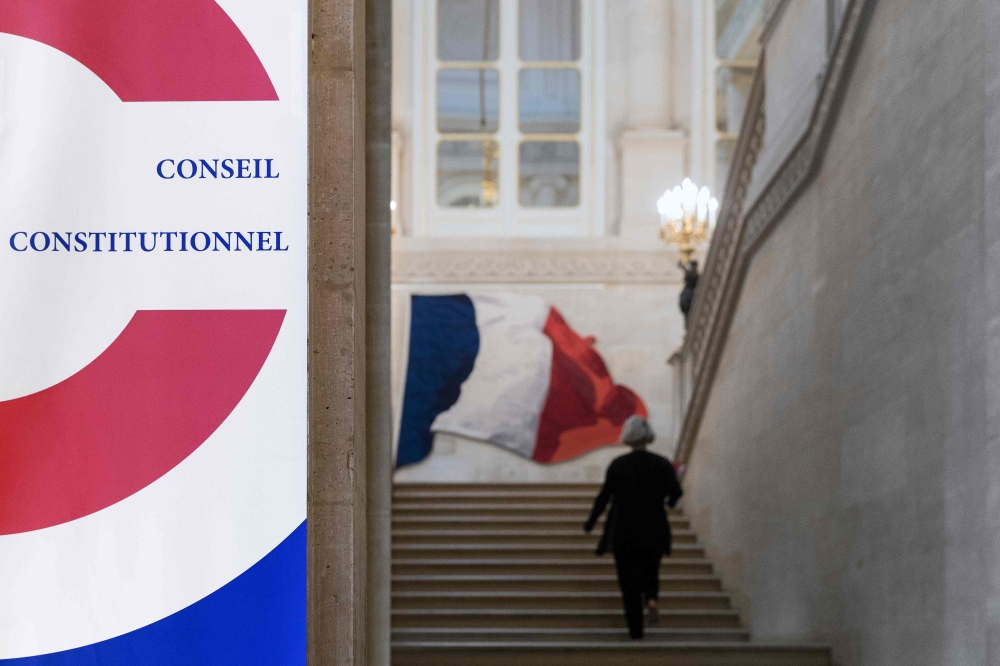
[(699, 28), (652, 153), (652, 160), (337, 515), (378, 173), (648, 63)]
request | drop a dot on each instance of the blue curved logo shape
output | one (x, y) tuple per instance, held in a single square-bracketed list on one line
[(258, 618)]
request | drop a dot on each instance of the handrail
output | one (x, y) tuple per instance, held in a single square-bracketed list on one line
[(740, 233), (719, 261)]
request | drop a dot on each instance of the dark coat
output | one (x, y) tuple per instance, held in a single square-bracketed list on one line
[(690, 284), (638, 484)]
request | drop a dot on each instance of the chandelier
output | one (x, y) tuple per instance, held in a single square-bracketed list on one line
[(687, 217)]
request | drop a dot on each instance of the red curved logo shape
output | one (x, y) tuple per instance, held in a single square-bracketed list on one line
[(148, 50), (146, 403)]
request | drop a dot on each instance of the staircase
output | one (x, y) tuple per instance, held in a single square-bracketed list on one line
[(490, 575)]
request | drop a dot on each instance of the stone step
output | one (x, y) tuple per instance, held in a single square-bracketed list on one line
[(544, 583), (534, 565), (492, 495), (445, 522), (577, 513), (525, 486), (592, 653), (574, 512), (510, 599), (590, 634), (500, 574), (499, 503), (545, 618), (471, 536), (502, 550)]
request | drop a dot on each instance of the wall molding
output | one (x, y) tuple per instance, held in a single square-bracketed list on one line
[(519, 266), (738, 235)]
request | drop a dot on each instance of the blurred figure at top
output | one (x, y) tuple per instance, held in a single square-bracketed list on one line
[(639, 485)]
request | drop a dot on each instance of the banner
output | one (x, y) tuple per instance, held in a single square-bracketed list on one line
[(153, 332), (507, 369)]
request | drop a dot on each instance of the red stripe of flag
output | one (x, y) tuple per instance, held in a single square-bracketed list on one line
[(584, 409)]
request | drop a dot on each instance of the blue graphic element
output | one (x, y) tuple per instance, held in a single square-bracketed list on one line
[(444, 343), (258, 619)]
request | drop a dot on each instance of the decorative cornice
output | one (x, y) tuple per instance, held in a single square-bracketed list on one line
[(722, 252), (738, 236), (507, 266)]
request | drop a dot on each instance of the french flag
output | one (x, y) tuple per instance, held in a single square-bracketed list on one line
[(506, 369)]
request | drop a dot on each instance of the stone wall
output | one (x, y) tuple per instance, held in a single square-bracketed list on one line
[(842, 475), (990, 550)]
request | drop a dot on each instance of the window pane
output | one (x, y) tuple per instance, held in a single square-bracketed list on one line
[(468, 100), (468, 30), (549, 101), (549, 30), (550, 174), (467, 174)]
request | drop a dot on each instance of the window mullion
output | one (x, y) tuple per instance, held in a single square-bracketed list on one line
[(508, 135)]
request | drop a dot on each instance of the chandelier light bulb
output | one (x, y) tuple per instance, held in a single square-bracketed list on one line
[(664, 204), (690, 196), (713, 213), (703, 196), (702, 200)]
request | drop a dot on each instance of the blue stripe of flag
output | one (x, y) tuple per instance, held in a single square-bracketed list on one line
[(444, 343)]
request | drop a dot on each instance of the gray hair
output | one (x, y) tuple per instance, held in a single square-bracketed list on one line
[(636, 432)]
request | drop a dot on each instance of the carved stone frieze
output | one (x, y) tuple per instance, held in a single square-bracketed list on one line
[(725, 243), (503, 266)]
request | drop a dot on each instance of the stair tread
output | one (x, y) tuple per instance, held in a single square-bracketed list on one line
[(486, 491), (544, 595), (596, 561), (516, 546), (524, 546), (568, 630), (542, 577), (459, 485), (715, 646), (577, 506), (501, 533), (576, 612), (590, 634), (493, 519)]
